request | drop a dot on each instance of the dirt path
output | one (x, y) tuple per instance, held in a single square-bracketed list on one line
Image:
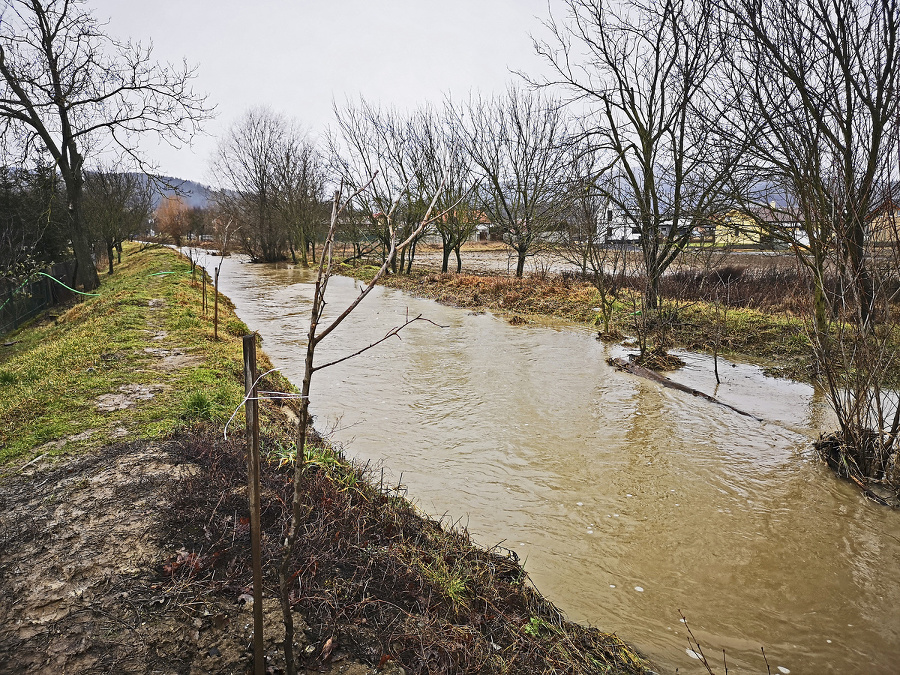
[(75, 541), (83, 574)]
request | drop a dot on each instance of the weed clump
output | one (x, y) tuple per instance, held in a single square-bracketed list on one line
[(198, 406)]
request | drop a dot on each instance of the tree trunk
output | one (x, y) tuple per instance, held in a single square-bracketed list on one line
[(412, 254), (303, 258), (862, 281), (458, 259), (820, 307), (109, 255), (520, 264), (446, 260), (652, 289), (86, 274), (293, 253)]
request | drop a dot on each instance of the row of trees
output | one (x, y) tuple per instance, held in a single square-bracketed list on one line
[(69, 92), (34, 224), (503, 161), (686, 108)]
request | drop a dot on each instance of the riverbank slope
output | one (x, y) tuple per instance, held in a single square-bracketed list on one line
[(124, 542)]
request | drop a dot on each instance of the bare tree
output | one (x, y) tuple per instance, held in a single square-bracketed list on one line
[(245, 168), (319, 329), (642, 73), (381, 142), (444, 159), (517, 141), (821, 78), (117, 205), (586, 219), (66, 88), (300, 193)]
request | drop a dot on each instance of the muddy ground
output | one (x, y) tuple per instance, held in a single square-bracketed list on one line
[(83, 569)]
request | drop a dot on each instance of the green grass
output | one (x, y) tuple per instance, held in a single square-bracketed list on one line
[(51, 378)]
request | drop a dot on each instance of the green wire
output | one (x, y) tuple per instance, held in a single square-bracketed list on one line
[(95, 295), (22, 285), (13, 294)]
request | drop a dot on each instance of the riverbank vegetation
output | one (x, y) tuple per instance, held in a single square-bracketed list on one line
[(132, 342), (144, 393), (762, 330)]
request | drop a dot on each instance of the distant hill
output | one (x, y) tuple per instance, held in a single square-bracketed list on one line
[(193, 193)]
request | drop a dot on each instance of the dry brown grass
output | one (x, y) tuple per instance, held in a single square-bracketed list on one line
[(373, 574)]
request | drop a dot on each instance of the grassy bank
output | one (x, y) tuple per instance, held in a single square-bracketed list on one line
[(77, 372), (777, 338), (111, 414)]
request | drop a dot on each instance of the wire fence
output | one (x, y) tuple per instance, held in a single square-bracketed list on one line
[(21, 303)]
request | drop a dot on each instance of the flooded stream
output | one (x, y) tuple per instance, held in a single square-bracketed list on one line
[(627, 501)]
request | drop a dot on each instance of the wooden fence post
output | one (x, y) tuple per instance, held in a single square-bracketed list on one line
[(251, 410), (216, 310)]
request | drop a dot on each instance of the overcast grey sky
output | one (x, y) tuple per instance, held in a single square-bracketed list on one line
[(299, 56)]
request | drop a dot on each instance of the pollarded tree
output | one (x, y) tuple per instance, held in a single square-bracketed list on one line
[(518, 143), (643, 74), (66, 88), (822, 78)]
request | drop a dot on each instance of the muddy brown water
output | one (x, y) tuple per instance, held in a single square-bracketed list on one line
[(627, 501)]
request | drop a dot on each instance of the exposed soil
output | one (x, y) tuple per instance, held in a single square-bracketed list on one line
[(127, 396), (83, 561)]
